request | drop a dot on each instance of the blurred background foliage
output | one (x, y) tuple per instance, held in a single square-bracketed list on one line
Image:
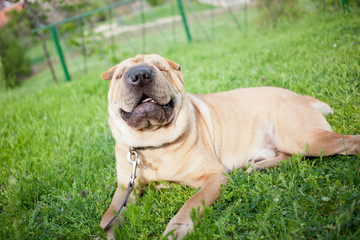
[(17, 40), (273, 11)]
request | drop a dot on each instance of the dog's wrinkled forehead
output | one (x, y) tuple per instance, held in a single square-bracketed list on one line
[(168, 67), (157, 61)]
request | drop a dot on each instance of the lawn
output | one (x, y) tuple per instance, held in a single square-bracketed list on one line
[(57, 157)]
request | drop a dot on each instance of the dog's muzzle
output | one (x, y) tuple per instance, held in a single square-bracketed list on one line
[(148, 112)]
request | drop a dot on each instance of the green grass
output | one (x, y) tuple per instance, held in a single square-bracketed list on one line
[(55, 143)]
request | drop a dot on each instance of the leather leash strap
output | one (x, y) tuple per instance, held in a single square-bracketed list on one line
[(129, 189), (133, 159)]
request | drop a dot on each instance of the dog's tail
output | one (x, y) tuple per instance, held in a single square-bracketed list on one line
[(320, 106)]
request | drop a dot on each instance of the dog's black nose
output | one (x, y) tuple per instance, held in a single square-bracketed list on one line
[(140, 75)]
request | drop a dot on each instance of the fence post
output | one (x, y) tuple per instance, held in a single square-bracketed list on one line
[(61, 56), (182, 12)]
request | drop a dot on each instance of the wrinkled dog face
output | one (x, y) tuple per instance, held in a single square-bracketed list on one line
[(145, 91)]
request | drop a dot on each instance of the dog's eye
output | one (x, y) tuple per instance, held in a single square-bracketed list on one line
[(173, 65), (161, 68), (120, 73)]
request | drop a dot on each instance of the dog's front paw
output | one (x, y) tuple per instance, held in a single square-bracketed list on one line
[(181, 230)]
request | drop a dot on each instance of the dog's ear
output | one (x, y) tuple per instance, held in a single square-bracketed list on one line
[(109, 73), (173, 64)]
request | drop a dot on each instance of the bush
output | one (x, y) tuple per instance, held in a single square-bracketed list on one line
[(2, 77), (336, 5), (273, 11), (154, 3), (13, 61)]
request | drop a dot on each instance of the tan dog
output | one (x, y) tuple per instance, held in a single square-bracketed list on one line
[(194, 139)]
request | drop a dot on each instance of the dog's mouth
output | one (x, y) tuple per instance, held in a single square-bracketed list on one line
[(148, 114)]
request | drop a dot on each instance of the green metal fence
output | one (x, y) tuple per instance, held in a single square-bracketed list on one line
[(90, 37)]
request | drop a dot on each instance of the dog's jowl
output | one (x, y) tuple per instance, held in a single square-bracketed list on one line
[(194, 139)]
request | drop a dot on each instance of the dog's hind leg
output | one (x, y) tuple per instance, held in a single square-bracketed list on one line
[(322, 142), (313, 144), (268, 163), (331, 143), (302, 128)]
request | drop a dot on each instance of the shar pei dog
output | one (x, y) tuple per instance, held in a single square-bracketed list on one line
[(194, 139)]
